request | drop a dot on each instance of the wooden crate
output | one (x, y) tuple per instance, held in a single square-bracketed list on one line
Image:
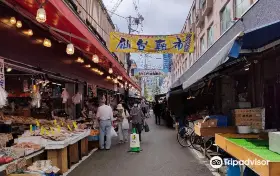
[(84, 147), (59, 159), (241, 153), (211, 131)]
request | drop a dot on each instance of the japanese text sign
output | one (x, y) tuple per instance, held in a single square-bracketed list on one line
[(179, 43)]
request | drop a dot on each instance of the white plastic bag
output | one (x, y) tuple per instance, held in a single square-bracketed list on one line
[(113, 132), (125, 124)]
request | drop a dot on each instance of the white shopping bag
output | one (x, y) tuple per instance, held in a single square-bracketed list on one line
[(125, 124), (113, 132)]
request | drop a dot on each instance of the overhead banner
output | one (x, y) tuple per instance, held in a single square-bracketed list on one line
[(142, 72), (178, 43)]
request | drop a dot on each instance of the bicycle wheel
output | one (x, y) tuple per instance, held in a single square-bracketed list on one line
[(209, 143), (196, 141), (183, 136)]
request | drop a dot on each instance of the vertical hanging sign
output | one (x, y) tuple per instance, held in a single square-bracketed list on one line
[(2, 73)]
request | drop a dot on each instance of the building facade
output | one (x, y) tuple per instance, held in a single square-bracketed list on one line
[(95, 15), (208, 20)]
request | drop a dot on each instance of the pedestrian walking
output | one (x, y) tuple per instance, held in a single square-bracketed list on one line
[(137, 118), (157, 112), (144, 108), (105, 116), (123, 125)]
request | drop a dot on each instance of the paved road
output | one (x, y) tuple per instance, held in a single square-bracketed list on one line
[(161, 156)]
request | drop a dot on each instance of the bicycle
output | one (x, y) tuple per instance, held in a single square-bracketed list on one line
[(200, 143), (183, 136)]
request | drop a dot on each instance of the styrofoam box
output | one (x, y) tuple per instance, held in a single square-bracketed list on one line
[(274, 141)]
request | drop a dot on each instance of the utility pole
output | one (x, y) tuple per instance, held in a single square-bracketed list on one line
[(131, 21)]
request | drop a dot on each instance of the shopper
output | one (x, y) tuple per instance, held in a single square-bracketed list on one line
[(123, 125), (137, 117), (105, 116), (157, 112), (144, 108)]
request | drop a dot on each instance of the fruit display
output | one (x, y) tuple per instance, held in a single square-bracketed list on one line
[(17, 119)]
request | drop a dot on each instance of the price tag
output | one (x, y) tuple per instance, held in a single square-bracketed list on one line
[(59, 129), (62, 123), (11, 168), (55, 122), (47, 132), (75, 125), (21, 163), (42, 132), (52, 131), (69, 127), (37, 123), (31, 129)]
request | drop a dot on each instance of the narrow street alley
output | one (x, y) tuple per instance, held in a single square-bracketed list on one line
[(161, 156)]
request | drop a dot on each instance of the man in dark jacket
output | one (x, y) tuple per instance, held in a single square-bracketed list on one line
[(157, 112)]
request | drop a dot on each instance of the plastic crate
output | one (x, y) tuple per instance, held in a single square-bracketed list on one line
[(93, 138), (222, 120)]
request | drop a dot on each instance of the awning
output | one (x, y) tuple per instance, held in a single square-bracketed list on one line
[(231, 49), (63, 21), (261, 38)]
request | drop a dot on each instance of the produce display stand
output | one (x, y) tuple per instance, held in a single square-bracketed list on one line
[(28, 157), (64, 154), (252, 152), (209, 132)]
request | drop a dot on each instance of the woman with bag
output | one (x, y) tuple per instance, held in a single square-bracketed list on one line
[(138, 118), (123, 125)]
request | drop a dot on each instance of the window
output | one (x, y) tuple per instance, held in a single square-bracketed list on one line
[(210, 36), (225, 18), (202, 45), (241, 6)]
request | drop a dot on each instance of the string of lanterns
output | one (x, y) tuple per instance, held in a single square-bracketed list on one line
[(41, 17)]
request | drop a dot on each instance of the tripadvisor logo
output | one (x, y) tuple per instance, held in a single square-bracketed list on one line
[(216, 162)]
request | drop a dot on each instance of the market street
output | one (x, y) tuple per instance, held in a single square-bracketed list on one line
[(161, 156)]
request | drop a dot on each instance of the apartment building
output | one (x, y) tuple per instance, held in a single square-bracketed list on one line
[(208, 20), (95, 15)]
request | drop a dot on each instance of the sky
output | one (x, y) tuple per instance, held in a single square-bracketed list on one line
[(161, 17)]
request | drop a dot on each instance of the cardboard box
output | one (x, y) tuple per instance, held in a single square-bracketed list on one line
[(207, 123), (274, 141)]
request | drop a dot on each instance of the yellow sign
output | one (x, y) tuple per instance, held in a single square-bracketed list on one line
[(178, 43), (75, 125), (69, 127), (37, 123)]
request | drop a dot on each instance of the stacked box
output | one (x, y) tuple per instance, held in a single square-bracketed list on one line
[(250, 117), (274, 141), (207, 123)]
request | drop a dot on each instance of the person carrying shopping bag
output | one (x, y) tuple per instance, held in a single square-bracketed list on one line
[(138, 118), (123, 125)]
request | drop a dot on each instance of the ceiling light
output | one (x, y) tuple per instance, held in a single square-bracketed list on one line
[(88, 66), (9, 69), (41, 16), (19, 24), (47, 43), (120, 77), (101, 73), (108, 77), (70, 49), (29, 32), (110, 71), (95, 58), (80, 60), (13, 20)]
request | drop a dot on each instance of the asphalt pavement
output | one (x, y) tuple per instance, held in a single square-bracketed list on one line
[(161, 156)]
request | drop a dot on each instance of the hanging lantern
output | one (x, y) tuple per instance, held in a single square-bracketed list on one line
[(70, 49), (19, 24), (115, 81), (29, 32), (108, 77), (80, 60), (47, 43), (9, 69), (41, 16), (95, 58), (110, 71), (120, 77), (13, 20)]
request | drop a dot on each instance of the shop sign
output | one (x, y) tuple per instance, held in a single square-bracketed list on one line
[(178, 43), (11, 168), (2, 73)]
